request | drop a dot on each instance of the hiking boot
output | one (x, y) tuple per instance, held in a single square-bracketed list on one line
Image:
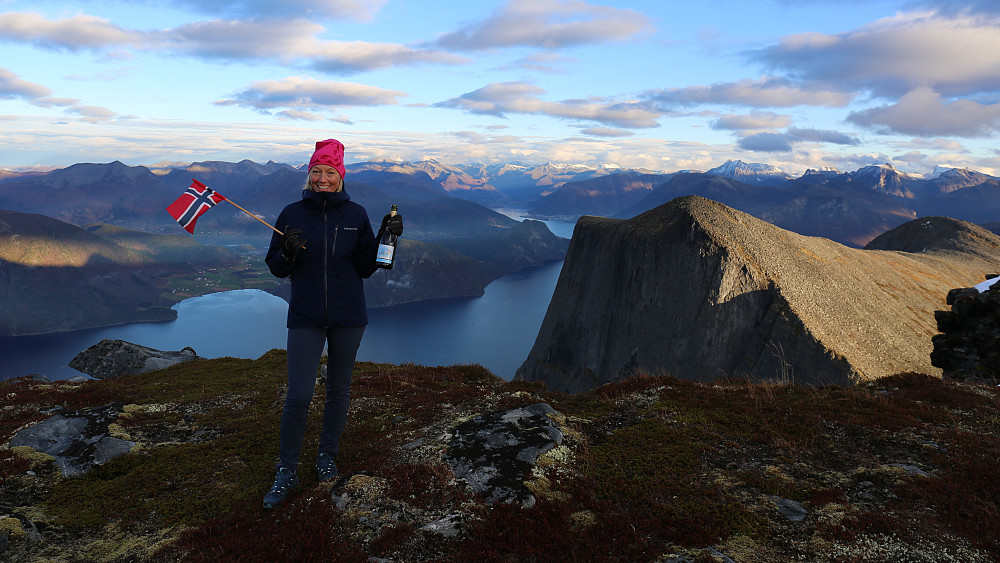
[(326, 468), (283, 482)]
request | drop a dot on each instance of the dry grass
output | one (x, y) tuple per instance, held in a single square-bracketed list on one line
[(653, 467)]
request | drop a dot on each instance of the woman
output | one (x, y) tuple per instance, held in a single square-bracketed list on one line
[(327, 248)]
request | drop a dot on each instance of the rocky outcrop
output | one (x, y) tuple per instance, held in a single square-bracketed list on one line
[(698, 290), (494, 453), (969, 344), (651, 469), (76, 440), (111, 358)]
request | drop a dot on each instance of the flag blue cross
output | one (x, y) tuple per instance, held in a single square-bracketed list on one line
[(200, 199)]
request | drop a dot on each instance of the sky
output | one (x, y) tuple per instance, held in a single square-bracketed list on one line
[(660, 85)]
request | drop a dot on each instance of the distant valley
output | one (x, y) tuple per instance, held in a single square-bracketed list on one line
[(455, 240), (452, 247), (57, 277), (847, 207)]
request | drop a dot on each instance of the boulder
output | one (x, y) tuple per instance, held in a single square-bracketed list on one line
[(111, 358), (495, 452), (77, 440), (968, 347)]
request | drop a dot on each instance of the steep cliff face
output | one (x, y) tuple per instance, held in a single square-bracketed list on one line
[(698, 290)]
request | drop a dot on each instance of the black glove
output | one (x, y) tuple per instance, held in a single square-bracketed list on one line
[(291, 242), (393, 224)]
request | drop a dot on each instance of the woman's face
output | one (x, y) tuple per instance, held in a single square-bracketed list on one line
[(325, 178)]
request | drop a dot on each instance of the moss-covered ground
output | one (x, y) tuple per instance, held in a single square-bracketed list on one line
[(903, 469)]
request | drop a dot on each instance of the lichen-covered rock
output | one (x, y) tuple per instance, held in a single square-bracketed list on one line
[(77, 441), (111, 358), (495, 452)]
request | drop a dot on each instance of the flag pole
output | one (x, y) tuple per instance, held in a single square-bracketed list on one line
[(255, 217)]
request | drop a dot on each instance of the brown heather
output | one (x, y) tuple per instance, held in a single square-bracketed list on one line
[(652, 468)]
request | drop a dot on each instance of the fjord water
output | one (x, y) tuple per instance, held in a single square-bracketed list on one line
[(496, 330)]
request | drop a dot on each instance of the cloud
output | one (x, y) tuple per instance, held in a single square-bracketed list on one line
[(499, 99), (606, 132), (290, 41), (777, 142), (48, 102), (471, 136), (299, 95), (240, 39), (754, 121), (822, 136), (956, 56), (74, 33), (764, 92), (342, 57), (911, 157), (293, 40), (300, 115), (519, 97), (954, 7), (767, 142), (938, 145), (92, 114), (547, 24), (770, 141), (925, 113), (359, 10), (12, 86), (543, 62)]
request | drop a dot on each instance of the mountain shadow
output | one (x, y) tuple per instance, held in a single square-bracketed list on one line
[(57, 277)]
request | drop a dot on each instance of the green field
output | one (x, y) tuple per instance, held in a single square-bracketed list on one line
[(250, 273)]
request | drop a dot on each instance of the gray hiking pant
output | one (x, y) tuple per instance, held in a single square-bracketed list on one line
[(305, 347)]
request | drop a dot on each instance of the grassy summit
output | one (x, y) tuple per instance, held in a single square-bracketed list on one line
[(651, 468)]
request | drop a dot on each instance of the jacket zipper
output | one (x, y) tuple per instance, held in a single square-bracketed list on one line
[(327, 251), (326, 268)]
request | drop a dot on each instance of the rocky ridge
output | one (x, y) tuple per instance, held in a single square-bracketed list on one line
[(969, 344), (697, 289)]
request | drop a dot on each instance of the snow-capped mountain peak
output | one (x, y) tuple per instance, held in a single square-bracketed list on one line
[(750, 173), (737, 168)]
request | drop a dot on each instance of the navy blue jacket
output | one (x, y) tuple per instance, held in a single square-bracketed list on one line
[(326, 275)]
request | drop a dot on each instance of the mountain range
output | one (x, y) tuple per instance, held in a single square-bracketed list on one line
[(848, 207), (453, 247), (458, 240)]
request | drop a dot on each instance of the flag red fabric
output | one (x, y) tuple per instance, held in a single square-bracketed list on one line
[(195, 200)]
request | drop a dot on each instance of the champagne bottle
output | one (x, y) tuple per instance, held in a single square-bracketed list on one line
[(387, 246)]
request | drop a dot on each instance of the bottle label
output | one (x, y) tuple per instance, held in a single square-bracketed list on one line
[(385, 254)]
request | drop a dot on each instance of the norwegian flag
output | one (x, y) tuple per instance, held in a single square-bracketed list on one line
[(195, 200)]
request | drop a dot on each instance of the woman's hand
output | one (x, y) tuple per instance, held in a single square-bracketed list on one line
[(291, 242), (393, 223)]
